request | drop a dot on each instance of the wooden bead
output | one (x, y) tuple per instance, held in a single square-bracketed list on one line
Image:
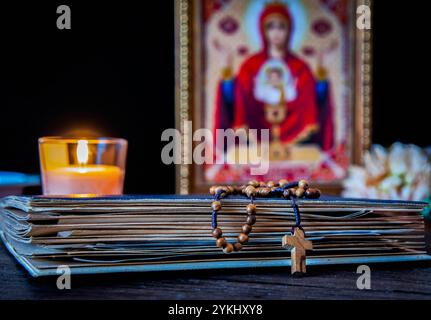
[(303, 184), (246, 228), (213, 190), (312, 193), (251, 219), (271, 184), (228, 248), (230, 189), (221, 242), (253, 183), (292, 192), (217, 233), (250, 191), (287, 193), (216, 205), (262, 184), (251, 208), (299, 192), (237, 246), (264, 191), (283, 183), (242, 238)]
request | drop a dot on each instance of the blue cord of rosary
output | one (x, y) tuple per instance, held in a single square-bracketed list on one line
[(217, 197), (296, 213)]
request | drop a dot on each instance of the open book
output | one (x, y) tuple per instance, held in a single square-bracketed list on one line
[(170, 232)]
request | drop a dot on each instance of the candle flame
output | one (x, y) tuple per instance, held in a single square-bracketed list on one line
[(82, 151)]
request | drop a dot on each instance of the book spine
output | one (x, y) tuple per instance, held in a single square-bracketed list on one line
[(427, 227)]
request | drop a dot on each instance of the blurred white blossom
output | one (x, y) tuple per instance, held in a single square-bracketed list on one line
[(403, 172)]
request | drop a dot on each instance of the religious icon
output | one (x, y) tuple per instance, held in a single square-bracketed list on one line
[(273, 89), (286, 66)]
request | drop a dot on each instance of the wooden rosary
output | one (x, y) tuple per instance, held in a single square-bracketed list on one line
[(285, 189)]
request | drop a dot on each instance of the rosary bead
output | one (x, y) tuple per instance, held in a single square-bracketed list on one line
[(312, 193), (271, 184), (253, 183), (213, 190), (216, 205), (303, 184), (242, 238), (286, 193), (228, 248), (283, 183), (299, 192), (251, 208), (264, 191), (237, 246), (217, 233), (246, 228), (221, 242), (250, 191), (251, 219)]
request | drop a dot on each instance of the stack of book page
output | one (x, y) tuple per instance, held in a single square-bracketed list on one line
[(171, 232)]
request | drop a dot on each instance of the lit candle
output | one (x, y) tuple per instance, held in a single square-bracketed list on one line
[(83, 178)]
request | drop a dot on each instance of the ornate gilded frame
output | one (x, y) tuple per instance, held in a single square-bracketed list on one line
[(188, 79)]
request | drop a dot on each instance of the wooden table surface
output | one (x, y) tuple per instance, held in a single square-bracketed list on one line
[(397, 281)]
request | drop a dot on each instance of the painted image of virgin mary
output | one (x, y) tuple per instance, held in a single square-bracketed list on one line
[(273, 89)]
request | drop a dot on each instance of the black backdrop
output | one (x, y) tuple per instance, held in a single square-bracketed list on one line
[(114, 72)]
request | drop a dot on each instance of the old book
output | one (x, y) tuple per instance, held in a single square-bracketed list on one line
[(171, 232)]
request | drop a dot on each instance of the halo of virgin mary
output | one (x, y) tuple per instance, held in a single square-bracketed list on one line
[(273, 89)]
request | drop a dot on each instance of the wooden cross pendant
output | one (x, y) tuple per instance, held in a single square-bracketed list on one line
[(298, 246)]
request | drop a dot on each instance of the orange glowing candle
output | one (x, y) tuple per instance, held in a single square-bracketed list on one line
[(81, 176)]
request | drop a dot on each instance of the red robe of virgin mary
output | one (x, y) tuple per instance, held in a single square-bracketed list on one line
[(302, 112)]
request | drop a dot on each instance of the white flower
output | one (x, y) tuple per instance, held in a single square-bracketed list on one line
[(375, 161), (398, 159), (403, 172)]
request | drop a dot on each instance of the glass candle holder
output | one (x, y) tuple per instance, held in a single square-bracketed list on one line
[(82, 166)]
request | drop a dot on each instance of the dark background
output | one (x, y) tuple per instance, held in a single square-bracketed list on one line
[(114, 72)]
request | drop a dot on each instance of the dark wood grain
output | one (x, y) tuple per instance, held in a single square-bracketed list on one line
[(397, 281)]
